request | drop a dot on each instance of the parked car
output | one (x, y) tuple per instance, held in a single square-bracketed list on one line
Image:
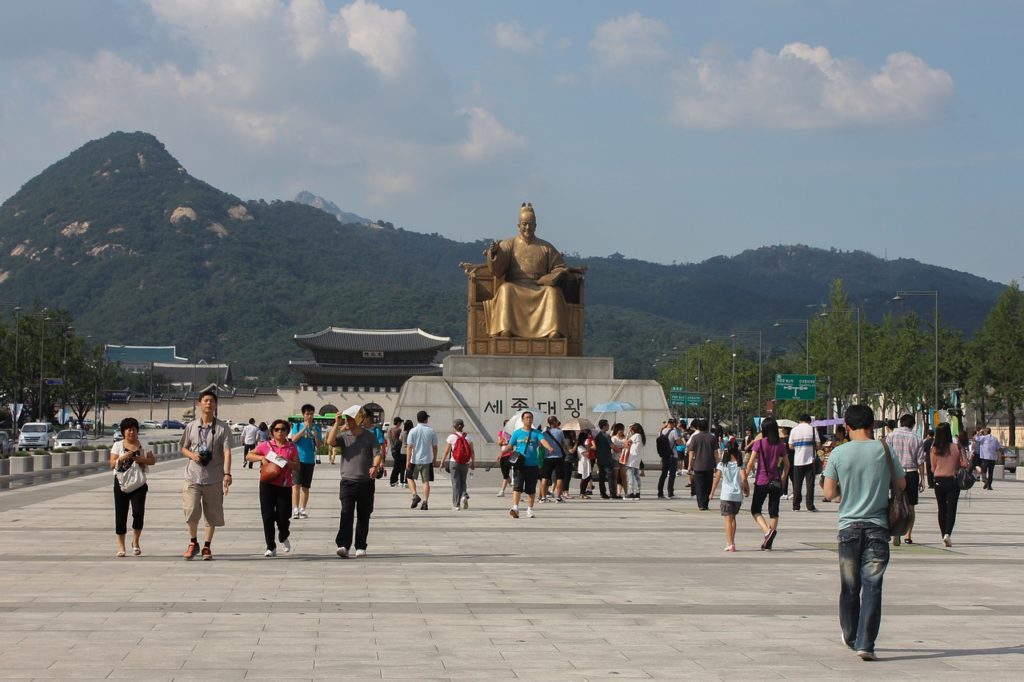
[(237, 428), (172, 424), (6, 446), (70, 438), (36, 436), (150, 424)]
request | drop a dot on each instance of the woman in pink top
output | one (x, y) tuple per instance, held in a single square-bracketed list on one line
[(947, 457), (504, 450), (276, 495), (771, 460)]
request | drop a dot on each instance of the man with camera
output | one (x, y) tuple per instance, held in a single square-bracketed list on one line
[(205, 443)]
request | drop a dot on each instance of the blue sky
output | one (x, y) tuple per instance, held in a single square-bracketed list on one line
[(667, 131)]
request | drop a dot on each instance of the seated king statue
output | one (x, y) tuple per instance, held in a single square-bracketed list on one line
[(527, 304)]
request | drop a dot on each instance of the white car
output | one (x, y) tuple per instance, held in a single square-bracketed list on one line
[(150, 424), (36, 436), (70, 438)]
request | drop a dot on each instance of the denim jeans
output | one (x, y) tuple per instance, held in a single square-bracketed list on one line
[(863, 556), (668, 472), (633, 481)]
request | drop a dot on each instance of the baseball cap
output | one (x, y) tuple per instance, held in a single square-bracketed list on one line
[(422, 416)]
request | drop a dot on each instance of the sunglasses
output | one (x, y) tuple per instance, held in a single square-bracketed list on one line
[(280, 428)]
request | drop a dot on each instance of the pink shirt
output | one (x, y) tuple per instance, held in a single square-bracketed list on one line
[(287, 451), (769, 457)]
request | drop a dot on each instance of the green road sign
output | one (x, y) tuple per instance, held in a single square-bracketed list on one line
[(796, 386), (681, 398)]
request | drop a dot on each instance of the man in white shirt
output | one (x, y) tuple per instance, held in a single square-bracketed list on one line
[(250, 434), (804, 442)]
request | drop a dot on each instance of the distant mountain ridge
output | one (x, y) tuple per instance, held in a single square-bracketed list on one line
[(139, 251), (328, 206)]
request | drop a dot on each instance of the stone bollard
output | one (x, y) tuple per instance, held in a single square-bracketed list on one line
[(76, 457), (102, 454), (41, 462), (59, 463), (5, 468), (22, 463), (998, 472), (92, 456)]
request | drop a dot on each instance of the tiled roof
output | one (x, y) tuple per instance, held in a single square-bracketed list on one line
[(382, 340), (310, 367), (142, 354)]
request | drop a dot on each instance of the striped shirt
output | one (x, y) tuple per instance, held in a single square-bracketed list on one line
[(803, 439)]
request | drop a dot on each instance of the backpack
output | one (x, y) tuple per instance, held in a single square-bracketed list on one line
[(663, 446), (461, 451)]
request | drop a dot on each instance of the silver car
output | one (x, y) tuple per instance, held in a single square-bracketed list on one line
[(70, 438)]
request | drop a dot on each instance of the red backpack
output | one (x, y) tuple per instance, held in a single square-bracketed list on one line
[(461, 451)]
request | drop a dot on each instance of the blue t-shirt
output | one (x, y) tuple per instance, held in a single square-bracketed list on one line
[(863, 475), (527, 444), (423, 440), (306, 445), (556, 439)]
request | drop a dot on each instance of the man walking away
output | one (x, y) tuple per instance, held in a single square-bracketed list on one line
[(394, 438), (421, 451), (702, 449), (804, 442), (250, 435), (909, 451), (858, 471)]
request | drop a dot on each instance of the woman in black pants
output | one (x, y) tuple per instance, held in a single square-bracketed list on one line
[(124, 454), (947, 457), (276, 495)]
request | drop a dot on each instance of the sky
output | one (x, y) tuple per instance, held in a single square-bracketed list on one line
[(665, 131)]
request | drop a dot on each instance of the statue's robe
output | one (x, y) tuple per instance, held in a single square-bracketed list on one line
[(521, 307)]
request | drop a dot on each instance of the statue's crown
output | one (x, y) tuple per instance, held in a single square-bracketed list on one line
[(526, 212)]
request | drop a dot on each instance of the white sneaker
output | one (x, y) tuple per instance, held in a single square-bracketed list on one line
[(286, 546), (455, 508), (501, 493), (360, 553), (302, 513), (270, 553), (342, 552), (295, 512), (529, 512), (947, 541), (465, 501)]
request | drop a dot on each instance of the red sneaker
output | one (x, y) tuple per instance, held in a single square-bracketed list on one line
[(191, 551), (207, 554)]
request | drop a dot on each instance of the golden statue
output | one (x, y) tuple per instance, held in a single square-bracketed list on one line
[(527, 304)]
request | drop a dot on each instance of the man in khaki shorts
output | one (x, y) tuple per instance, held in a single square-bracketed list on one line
[(205, 443)]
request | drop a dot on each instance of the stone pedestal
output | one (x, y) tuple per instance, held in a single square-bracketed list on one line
[(485, 390)]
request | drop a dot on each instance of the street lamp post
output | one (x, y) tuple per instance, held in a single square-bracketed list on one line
[(826, 313), (760, 364), (900, 295), (43, 319)]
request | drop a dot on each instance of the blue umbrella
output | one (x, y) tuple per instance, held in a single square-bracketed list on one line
[(614, 406)]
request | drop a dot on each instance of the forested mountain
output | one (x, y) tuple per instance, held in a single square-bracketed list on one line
[(141, 252)]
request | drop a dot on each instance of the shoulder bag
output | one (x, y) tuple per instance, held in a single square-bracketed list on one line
[(899, 510), (131, 477), (964, 476)]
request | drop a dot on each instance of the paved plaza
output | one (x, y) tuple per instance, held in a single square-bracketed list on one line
[(586, 590)]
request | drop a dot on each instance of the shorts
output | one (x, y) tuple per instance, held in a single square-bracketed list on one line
[(913, 481), (506, 468), (304, 476), (422, 472), (773, 495), (526, 480), (203, 500), (730, 508), (551, 469)]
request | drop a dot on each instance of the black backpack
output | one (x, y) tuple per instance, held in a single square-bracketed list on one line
[(663, 445)]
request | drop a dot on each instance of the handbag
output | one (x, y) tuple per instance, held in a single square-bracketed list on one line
[(270, 472), (817, 465), (898, 509), (132, 478)]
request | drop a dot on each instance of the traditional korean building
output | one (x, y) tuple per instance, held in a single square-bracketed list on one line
[(368, 360), (139, 359)]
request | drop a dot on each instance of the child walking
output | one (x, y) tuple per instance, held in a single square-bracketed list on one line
[(733, 477)]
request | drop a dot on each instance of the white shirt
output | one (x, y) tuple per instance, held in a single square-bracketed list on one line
[(804, 441), (250, 434), (636, 451)]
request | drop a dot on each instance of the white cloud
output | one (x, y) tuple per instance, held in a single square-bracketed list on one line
[(384, 38), (803, 87), (631, 39), (487, 137), (512, 36)]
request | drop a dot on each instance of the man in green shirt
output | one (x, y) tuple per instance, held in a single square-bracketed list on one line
[(859, 472)]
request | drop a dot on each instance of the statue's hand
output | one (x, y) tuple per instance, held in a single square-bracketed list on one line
[(548, 280), (492, 250)]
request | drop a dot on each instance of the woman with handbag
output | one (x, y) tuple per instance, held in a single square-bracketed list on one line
[(947, 458), (129, 459), (278, 458), (770, 458)]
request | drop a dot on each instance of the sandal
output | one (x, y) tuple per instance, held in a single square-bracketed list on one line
[(908, 541), (120, 554), (136, 550)]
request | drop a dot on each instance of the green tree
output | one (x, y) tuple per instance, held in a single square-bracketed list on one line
[(1002, 352)]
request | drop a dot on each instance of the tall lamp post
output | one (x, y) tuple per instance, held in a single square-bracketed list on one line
[(826, 313), (759, 363), (900, 295), (43, 319)]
